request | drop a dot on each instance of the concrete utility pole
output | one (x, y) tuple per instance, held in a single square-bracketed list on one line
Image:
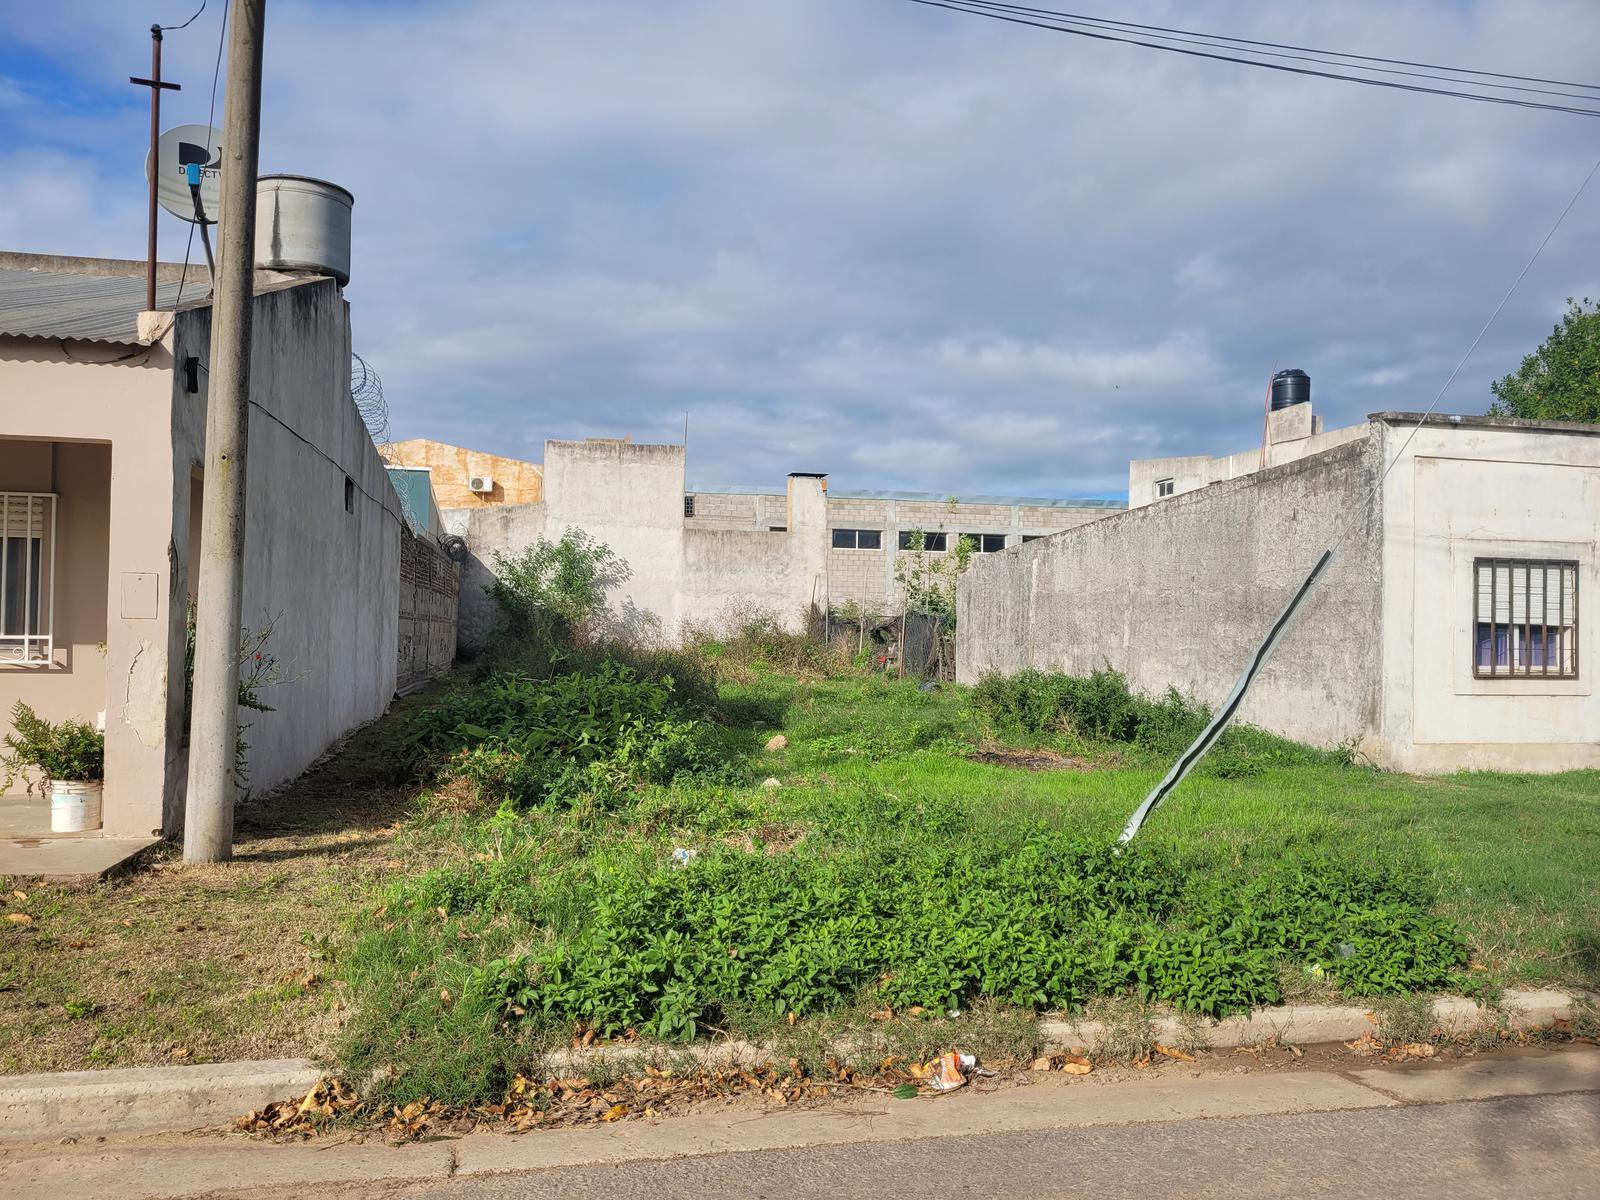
[(208, 815)]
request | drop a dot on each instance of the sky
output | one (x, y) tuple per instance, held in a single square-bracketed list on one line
[(909, 247)]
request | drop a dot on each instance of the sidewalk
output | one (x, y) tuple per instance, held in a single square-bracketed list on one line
[(641, 1156)]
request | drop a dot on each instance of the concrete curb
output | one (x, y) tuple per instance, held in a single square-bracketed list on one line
[(36, 1107), (144, 1099), (1309, 1024)]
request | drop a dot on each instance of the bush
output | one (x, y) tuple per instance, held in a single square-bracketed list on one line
[(68, 751), (528, 741), (1101, 707), (555, 590), (1095, 706)]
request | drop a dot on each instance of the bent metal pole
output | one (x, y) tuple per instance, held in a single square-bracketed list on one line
[(1230, 706), (208, 805)]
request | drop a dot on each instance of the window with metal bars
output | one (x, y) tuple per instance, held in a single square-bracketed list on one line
[(27, 576), (1525, 618)]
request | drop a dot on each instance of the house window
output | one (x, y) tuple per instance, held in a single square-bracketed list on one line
[(934, 543), (1163, 488), (986, 543), (1031, 537), (27, 576), (1525, 618), (349, 494), (858, 539), (688, 506)]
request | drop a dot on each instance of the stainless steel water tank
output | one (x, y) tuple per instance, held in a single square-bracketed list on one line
[(303, 224)]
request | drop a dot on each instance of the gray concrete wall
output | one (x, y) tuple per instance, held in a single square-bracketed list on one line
[(325, 576), (1179, 594), (508, 527)]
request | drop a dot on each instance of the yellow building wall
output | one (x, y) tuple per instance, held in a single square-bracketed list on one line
[(515, 481)]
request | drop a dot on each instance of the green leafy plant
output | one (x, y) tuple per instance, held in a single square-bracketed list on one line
[(529, 741), (70, 751), (928, 578), (556, 590), (259, 669)]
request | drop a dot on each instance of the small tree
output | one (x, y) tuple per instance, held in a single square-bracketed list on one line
[(929, 578), (556, 588), (1560, 381)]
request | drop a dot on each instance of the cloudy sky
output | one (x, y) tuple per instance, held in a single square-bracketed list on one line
[(912, 248)]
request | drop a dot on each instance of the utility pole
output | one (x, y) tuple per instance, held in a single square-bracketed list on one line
[(208, 815), (156, 87)]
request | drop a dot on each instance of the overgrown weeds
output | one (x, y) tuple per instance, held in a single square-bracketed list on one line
[(761, 642), (1100, 709)]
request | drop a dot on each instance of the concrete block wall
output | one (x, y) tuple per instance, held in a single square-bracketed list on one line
[(430, 586), (1178, 594), (322, 559)]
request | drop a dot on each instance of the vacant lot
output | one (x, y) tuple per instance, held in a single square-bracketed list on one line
[(915, 854)]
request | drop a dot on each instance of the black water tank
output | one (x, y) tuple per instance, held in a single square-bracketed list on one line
[(1290, 387)]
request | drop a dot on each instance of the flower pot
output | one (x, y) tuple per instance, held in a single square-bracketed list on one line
[(74, 805)]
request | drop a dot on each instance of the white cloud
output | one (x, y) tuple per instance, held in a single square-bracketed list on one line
[(912, 247)]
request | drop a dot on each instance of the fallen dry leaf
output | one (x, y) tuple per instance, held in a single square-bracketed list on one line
[(19, 918), (1039, 1064), (20, 895), (1174, 1052), (615, 1111), (1077, 1068), (179, 1052)]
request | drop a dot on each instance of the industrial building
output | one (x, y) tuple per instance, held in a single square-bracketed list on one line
[(703, 556)]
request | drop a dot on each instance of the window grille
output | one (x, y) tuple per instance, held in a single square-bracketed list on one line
[(688, 506), (27, 576), (1525, 618)]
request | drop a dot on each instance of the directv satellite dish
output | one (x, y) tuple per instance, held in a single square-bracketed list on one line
[(198, 144)]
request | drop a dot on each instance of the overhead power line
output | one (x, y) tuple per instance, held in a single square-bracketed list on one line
[(1238, 41), (1065, 25), (1216, 41)]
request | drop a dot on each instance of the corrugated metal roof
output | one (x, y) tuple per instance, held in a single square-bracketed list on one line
[(90, 308), (925, 497)]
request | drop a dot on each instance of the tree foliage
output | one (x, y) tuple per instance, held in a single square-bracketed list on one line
[(1560, 381), (558, 587)]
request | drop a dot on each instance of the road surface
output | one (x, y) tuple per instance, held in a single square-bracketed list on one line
[(1524, 1124)]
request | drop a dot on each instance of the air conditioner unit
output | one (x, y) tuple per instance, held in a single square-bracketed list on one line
[(480, 483)]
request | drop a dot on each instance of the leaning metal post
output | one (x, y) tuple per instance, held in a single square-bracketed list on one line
[(1211, 732)]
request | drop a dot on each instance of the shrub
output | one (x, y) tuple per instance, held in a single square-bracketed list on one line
[(556, 590), (1101, 707), (68, 751)]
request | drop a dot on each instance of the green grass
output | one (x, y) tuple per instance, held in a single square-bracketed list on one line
[(535, 925), (350, 931), (1513, 857)]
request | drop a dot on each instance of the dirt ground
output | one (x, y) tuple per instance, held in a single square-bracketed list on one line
[(166, 964)]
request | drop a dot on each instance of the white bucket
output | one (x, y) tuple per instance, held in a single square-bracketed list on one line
[(74, 805)]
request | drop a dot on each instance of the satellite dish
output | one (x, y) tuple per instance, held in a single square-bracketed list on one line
[(198, 144)]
